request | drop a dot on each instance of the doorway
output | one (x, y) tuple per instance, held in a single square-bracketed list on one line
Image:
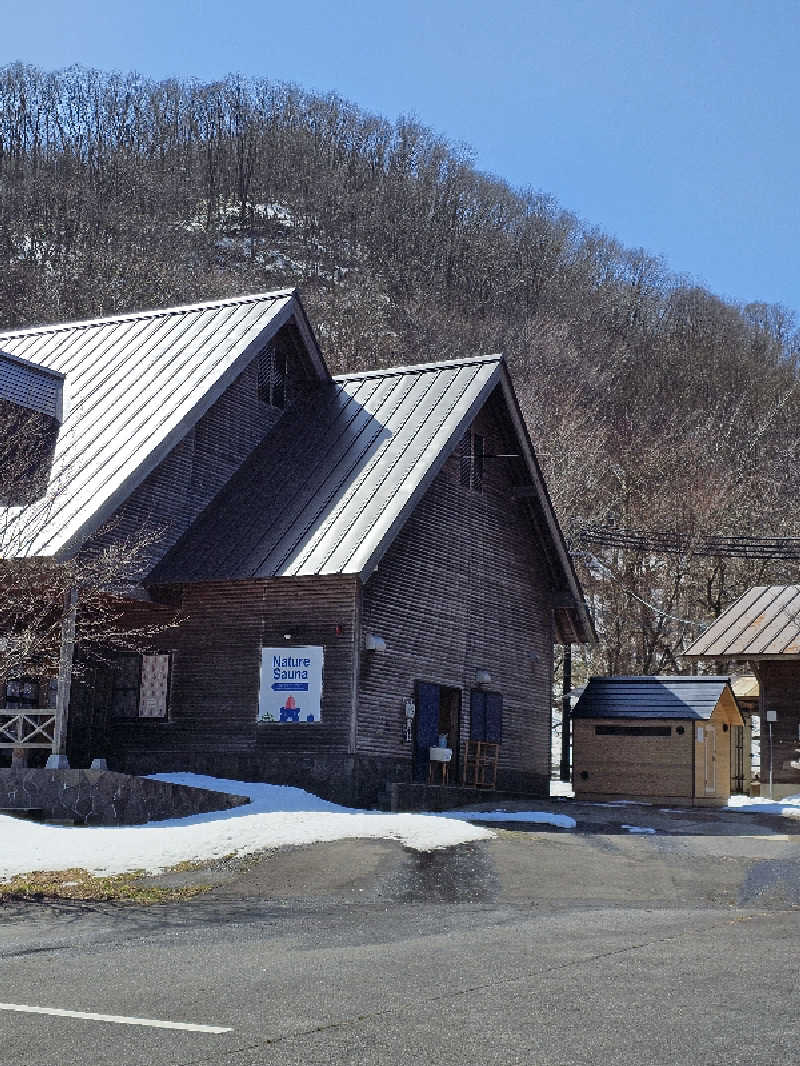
[(438, 714)]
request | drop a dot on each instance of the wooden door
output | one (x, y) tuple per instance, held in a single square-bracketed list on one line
[(426, 731), (710, 759)]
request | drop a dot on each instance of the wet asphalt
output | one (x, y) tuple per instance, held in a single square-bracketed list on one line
[(539, 946)]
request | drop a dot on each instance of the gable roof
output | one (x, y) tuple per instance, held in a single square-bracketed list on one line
[(651, 697), (333, 484), (762, 623), (134, 385)]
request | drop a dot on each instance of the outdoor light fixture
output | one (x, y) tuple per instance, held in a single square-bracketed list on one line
[(287, 636), (374, 643), (483, 677)]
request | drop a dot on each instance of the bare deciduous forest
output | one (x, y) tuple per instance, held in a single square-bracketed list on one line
[(653, 404)]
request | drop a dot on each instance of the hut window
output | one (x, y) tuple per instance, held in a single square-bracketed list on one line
[(633, 731), (471, 461)]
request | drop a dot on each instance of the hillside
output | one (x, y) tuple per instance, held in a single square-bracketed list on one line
[(653, 404)]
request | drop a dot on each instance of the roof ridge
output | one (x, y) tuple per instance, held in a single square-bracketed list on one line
[(661, 677), (419, 368), (132, 316)]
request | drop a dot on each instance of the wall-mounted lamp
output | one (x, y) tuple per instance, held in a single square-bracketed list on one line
[(374, 643), (287, 636), (483, 677)]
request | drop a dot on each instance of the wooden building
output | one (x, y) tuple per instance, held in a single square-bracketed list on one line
[(762, 629), (363, 566), (656, 739)]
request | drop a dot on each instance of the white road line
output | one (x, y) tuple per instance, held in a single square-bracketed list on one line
[(119, 1019)]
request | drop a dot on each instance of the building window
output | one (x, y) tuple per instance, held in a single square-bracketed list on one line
[(22, 694), (272, 373), (471, 461), (140, 686)]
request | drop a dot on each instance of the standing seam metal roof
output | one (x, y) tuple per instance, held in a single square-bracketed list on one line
[(650, 697), (329, 499), (134, 386), (765, 621)]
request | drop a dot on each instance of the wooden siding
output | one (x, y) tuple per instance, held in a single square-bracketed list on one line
[(633, 766), (655, 768), (465, 586), (216, 656), (779, 691), (173, 495)]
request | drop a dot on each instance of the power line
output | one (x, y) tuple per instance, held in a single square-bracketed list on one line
[(662, 541)]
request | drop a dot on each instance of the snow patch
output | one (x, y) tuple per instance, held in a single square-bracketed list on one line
[(277, 816), (788, 807), (638, 829)]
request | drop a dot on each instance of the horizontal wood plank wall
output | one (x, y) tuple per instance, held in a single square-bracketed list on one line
[(172, 496), (213, 702), (464, 587), (779, 687), (633, 766)]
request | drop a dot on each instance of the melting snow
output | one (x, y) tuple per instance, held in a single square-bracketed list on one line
[(276, 816)]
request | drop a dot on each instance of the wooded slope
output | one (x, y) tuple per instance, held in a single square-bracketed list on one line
[(653, 404)]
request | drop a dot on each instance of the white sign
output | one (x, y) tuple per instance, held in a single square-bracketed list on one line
[(291, 685)]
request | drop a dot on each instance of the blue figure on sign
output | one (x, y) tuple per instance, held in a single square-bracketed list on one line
[(291, 712)]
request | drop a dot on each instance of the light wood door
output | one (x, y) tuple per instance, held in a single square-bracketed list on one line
[(710, 757)]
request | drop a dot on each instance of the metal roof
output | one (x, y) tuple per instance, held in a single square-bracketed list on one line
[(328, 490), (650, 697), (333, 484), (763, 623), (134, 385)]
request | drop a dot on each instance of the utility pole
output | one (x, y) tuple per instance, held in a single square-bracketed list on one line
[(566, 715)]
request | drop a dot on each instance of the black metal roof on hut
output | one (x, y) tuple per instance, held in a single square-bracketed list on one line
[(651, 697)]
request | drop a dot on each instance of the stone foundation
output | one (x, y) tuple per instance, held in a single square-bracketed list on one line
[(101, 797)]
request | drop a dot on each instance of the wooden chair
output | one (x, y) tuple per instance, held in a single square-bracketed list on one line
[(480, 763)]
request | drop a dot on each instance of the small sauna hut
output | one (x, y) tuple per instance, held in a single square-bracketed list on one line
[(656, 739)]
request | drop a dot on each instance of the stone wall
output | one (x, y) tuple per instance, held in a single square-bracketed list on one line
[(102, 797)]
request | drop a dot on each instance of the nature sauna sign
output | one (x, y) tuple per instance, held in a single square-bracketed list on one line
[(291, 685)]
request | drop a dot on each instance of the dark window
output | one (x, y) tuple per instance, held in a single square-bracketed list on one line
[(127, 676), (633, 731), (22, 694), (486, 716), (471, 454), (477, 462), (140, 686), (272, 370)]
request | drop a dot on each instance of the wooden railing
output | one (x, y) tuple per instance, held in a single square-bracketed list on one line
[(27, 729)]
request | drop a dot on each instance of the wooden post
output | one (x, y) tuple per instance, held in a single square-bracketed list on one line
[(58, 760), (566, 715)]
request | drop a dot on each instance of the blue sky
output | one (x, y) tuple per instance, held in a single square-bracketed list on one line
[(673, 125)]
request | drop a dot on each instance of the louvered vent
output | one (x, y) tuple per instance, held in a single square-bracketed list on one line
[(31, 410)]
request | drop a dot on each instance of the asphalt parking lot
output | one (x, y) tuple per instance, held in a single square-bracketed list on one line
[(566, 947)]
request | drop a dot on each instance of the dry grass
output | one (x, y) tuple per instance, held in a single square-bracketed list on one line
[(136, 886)]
